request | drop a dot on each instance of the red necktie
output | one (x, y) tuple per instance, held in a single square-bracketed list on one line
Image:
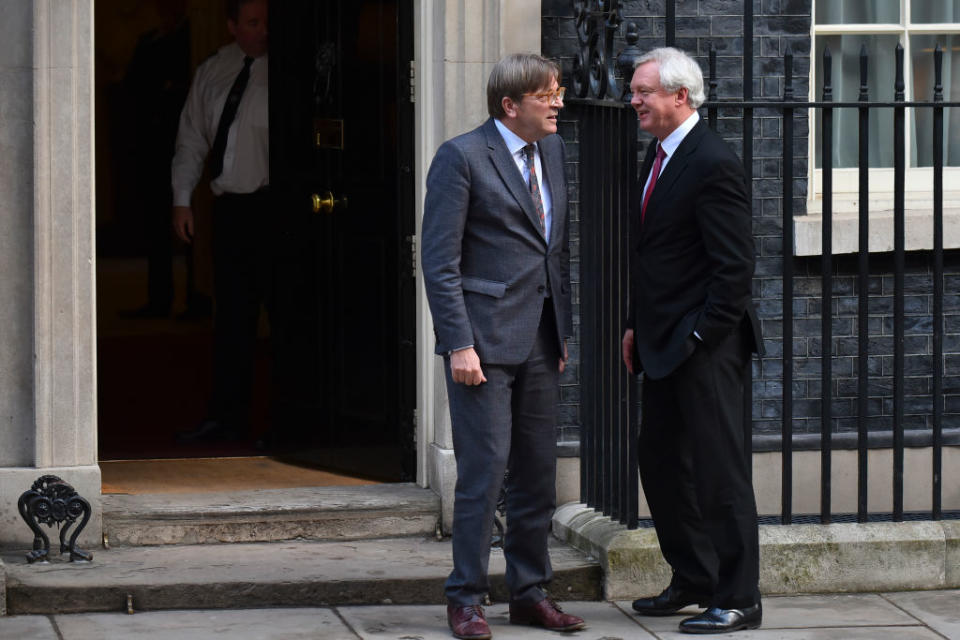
[(654, 174)]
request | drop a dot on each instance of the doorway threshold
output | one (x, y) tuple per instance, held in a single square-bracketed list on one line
[(264, 515), (211, 475)]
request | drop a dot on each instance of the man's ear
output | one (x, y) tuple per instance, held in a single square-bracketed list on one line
[(509, 107), (232, 28), (683, 96)]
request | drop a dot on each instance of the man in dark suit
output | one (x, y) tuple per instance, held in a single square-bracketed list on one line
[(692, 328), (497, 274)]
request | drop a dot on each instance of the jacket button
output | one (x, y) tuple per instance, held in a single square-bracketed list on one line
[(541, 289)]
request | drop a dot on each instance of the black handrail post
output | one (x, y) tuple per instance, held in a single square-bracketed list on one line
[(748, 171), (786, 431), (712, 91), (633, 468), (863, 300), (899, 145), (826, 255), (937, 285)]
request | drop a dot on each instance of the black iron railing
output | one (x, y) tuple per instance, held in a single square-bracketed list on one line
[(608, 144)]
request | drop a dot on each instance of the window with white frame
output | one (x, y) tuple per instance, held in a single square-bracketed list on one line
[(918, 25)]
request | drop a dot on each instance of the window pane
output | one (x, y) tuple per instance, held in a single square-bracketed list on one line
[(860, 11), (927, 11), (845, 51), (921, 59)]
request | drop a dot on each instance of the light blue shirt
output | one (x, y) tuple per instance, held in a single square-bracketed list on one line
[(515, 145)]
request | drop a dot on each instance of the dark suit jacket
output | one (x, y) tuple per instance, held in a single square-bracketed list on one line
[(692, 259), (486, 264)]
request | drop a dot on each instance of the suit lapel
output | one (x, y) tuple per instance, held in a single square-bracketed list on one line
[(507, 168)]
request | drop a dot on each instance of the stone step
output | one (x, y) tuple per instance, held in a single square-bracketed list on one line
[(312, 513), (268, 574)]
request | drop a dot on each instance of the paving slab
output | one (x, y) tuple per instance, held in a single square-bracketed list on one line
[(247, 624), (281, 574), (604, 622), (27, 628), (939, 610), (814, 617)]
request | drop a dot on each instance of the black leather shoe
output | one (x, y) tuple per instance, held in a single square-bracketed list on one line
[(716, 620), (666, 604)]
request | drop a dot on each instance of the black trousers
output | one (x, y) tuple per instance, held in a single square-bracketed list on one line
[(510, 420), (243, 261), (695, 475)]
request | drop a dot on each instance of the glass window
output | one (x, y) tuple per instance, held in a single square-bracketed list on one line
[(845, 26), (934, 11), (859, 11), (921, 60), (845, 52)]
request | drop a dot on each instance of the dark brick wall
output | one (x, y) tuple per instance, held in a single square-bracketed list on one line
[(777, 24)]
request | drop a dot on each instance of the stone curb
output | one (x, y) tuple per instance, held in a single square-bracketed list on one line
[(834, 558)]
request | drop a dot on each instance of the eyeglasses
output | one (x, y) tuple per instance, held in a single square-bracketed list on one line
[(548, 97)]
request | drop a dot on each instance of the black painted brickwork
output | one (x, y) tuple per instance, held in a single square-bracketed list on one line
[(777, 24)]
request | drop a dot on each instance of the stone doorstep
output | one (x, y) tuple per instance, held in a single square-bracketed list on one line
[(316, 513), (269, 574), (835, 558)]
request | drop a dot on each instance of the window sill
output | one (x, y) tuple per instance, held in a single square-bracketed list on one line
[(846, 234)]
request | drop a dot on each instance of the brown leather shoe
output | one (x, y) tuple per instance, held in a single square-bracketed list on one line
[(467, 622), (546, 614)]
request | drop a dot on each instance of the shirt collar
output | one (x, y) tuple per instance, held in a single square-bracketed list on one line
[(514, 142), (672, 141)]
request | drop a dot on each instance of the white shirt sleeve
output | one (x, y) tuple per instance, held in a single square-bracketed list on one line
[(193, 142)]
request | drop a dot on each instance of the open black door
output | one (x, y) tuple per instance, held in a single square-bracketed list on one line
[(341, 149)]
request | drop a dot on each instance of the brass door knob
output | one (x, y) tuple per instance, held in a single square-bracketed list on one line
[(326, 203)]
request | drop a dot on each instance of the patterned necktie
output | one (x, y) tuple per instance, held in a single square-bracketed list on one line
[(528, 152), (654, 174), (227, 116)]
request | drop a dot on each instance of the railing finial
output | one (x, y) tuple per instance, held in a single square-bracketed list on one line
[(863, 73), (898, 85), (938, 74), (827, 75), (788, 74)]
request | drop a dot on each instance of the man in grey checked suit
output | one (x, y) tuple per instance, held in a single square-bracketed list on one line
[(496, 268)]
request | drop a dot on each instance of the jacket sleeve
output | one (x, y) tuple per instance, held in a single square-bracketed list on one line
[(725, 220), (445, 211)]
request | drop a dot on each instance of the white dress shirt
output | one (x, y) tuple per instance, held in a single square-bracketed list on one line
[(515, 145), (246, 161), (670, 144)]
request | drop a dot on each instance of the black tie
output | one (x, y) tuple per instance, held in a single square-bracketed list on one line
[(226, 118)]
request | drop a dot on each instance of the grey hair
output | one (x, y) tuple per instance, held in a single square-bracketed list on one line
[(677, 71)]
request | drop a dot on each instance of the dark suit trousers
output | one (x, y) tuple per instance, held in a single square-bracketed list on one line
[(695, 475), (508, 421), (243, 279)]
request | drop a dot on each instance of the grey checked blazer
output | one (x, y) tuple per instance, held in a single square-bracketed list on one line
[(486, 264)]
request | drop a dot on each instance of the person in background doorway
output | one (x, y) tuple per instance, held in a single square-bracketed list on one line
[(224, 123)]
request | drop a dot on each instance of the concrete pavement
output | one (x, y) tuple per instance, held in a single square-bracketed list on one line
[(902, 616)]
